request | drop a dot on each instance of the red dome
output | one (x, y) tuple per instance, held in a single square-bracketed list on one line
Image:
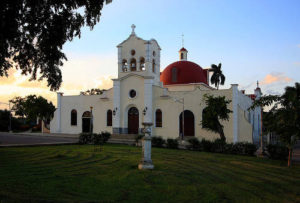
[(184, 72)]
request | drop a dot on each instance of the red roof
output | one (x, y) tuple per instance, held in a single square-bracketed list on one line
[(185, 72), (182, 49), (252, 96)]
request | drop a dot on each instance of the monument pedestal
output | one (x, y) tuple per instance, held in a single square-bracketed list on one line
[(146, 162)]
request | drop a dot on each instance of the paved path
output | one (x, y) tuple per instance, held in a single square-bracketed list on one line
[(31, 139)]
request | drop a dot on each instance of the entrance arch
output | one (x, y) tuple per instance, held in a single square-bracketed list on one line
[(189, 123), (87, 122), (133, 120)]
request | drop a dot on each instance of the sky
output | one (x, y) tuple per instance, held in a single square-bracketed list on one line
[(255, 40)]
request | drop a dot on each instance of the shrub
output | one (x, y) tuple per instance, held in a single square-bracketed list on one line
[(218, 146), (250, 149), (105, 136), (85, 138), (206, 145), (277, 151), (138, 138), (195, 144), (158, 141), (241, 148), (97, 139), (172, 143)]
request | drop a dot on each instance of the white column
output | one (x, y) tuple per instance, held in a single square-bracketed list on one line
[(148, 64), (117, 106), (59, 96), (235, 111), (148, 96), (119, 61)]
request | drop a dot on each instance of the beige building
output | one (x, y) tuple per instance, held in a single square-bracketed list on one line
[(141, 93)]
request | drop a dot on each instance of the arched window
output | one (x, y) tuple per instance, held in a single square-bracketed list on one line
[(174, 75), (109, 118), (153, 66), (73, 117), (133, 64), (124, 65), (142, 63), (181, 55), (158, 118)]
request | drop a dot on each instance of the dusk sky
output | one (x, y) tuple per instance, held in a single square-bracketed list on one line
[(253, 39)]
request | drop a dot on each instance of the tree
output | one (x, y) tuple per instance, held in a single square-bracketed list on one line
[(215, 111), (93, 91), (217, 78), (33, 32), (284, 116), (33, 107)]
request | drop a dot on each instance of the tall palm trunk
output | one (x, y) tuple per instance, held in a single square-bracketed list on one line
[(221, 132)]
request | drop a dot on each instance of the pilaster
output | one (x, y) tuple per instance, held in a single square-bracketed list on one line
[(148, 97), (59, 96), (117, 105), (235, 111)]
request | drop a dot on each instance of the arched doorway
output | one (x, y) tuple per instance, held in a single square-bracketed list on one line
[(189, 123), (133, 121), (87, 123)]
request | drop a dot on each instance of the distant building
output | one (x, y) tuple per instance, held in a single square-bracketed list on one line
[(141, 93)]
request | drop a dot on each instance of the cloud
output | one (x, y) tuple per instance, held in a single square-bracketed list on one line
[(104, 82), (298, 45), (80, 73), (273, 92), (297, 63), (275, 78)]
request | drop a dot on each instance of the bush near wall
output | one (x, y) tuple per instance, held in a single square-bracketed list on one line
[(89, 138), (195, 144), (85, 138), (219, 146), (157, 141), (172, 143), (277, 151)]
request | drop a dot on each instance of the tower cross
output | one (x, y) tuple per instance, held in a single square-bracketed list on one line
[(182, 39), (132, 27)]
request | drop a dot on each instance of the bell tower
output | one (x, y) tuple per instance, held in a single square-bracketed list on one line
[(139, 56)]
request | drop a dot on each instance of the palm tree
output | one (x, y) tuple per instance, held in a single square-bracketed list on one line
[(215, 111), (217, 78)]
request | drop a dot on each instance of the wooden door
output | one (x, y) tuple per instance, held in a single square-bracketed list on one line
[(133, 121), (189, 123)]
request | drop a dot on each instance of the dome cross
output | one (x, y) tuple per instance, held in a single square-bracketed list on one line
[(133, 27)]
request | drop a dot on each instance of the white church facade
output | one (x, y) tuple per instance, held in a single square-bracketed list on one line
[(141, 93)]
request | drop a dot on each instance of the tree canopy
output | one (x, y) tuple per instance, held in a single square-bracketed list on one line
[(284, 117), (215, 111), (217, 77), (93, 91), (33, 32), (33, 106)]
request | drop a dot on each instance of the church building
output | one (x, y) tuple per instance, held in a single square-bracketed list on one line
[(173, 100)]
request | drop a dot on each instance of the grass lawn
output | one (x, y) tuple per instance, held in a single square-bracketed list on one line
[(77, 173)]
